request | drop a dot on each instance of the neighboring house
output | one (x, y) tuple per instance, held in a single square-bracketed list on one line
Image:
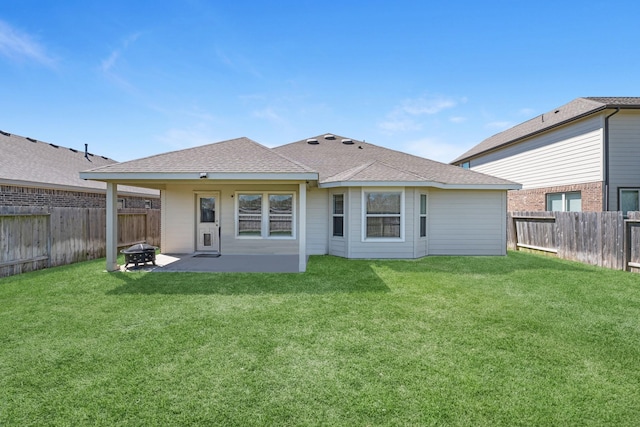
[(583, 156), (38, 174), (322, 195)]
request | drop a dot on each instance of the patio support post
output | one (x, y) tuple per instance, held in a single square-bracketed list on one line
[(302, 230), (112, 226)]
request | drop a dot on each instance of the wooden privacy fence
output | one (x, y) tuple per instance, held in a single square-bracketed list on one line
[(606, 239), (33, 238)]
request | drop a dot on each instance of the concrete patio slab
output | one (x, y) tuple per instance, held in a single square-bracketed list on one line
[(222, 263)]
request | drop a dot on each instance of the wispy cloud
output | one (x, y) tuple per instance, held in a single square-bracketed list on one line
[(407, 115), (179, 138), (526, 112), (238, 63), (433, 148), (19, 46), (457, 119), (109, 63), (499, 125)]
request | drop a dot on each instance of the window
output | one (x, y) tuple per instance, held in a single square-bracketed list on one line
[(383, 215), (338, 215), (465, 165), (281, 215), (423, 215), (257, 218), (629, 200), (564, 202), (249, 214)]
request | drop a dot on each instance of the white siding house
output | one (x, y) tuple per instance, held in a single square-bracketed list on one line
[(323, 195), (580, 156)]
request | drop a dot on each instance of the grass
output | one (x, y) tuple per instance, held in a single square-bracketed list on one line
[(517, 340)]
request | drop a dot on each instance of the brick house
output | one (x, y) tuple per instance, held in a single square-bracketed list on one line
[(39, 174), (582, 156)]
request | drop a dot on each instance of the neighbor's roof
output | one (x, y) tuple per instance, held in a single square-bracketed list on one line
[(235, 156), (29, 162), (574, 110), (344, 161)]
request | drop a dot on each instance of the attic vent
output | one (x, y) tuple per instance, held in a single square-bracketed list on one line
[(75, 151), (32, 140), (5, 133), (312, 141), (53, 145), (329, 136), (347, 141)]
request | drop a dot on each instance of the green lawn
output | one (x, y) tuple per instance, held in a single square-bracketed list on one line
[(517, 340)]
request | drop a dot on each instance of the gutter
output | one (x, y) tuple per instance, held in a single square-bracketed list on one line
[(605, 160)]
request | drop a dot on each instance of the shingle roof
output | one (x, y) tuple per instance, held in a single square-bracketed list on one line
[(360, 161), (26, 160), (576, 109), (241, 155)]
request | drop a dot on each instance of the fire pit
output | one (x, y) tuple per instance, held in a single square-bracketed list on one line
[(140, 253)]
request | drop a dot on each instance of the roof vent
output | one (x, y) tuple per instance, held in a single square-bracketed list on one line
[(347, 141), (5, 133), (74, 150), (329, 136), (312, 141), (53, 145), (32, 140), (556, 112)]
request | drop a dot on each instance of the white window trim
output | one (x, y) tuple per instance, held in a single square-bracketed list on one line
[(620, 190), (564, 200), (332, 214), (425, 215), (365, 191), (264, 216)]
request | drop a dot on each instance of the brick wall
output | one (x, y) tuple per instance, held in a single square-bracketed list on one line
[(29, 196), (536, 199)]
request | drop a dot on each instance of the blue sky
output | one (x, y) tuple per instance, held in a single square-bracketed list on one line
[(135, 78)]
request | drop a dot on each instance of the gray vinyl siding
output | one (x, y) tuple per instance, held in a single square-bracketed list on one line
[(380, 249), (624, 153), (464, 222), (571, 154), (317, 221)]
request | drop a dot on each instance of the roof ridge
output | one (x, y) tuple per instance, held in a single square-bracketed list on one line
[(351, 172), (5, 134)]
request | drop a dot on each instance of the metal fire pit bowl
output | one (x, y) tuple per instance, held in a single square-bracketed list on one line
[(140, 253)]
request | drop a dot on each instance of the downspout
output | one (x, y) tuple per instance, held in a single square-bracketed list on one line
[(605, 204)]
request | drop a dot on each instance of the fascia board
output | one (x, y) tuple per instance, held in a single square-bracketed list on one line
[(420, 184), (181, 176)]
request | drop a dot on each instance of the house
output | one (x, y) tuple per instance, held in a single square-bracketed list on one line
[(38, 174), (323, 195), (582, 156)]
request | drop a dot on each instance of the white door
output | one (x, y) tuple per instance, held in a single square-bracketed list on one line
[(207, 238)]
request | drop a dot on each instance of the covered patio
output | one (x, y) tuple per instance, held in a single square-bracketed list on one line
[(208, 263)]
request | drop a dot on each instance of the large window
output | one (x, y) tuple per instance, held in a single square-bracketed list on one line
[(257, 218), (383, 215), (250, 214), (423, 215), (281, 215), (629, 200), (564, 202), (338, 215)]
